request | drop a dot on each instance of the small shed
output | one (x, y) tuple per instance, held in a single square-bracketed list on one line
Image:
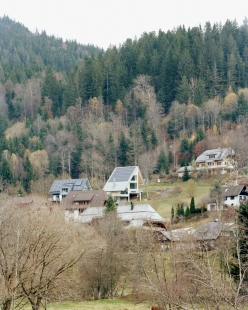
[(180, 171)]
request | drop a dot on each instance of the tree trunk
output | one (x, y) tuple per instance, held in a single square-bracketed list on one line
[(6, 305), (36, 305)]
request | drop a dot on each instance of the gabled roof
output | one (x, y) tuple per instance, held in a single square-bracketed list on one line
[(232, 190), (76, 184), (182, 234), (219, 153), (139, 215), (120, 177), (95, 198), (210, 231), (190, 168)]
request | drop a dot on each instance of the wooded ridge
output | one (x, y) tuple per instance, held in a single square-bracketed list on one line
[(72, 110)]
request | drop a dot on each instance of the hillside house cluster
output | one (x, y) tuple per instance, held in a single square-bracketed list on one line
[(83, 204)]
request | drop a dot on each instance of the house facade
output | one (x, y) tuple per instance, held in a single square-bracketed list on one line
[(234, 195), (221, 160), (61, 188), (76, 202), (123, 184)]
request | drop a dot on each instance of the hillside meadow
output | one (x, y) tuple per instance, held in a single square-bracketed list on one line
[(107, 304), (162, 196)]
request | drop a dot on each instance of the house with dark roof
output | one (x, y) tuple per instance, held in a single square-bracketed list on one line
[(221, 159), (76, 202), (123, 184), (234, 195), (61, 188), (208, 233)]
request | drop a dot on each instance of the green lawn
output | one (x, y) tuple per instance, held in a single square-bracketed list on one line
[(163, 195)]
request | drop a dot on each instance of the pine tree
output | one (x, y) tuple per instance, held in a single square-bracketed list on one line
[(187, 212), (172, 213), (30, 174), (178, 211), (182, 210), (154, 139), (163, 163), (123, 151), (192, 206), (185, 176), (242, 107), (110, 204), (242, 252), (6, 172)]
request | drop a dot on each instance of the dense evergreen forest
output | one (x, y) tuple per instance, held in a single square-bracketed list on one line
[(68, 110)]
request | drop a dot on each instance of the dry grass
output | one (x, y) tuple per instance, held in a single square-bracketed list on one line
[(98, 305)]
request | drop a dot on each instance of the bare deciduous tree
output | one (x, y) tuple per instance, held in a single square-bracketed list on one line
[(37, 247)]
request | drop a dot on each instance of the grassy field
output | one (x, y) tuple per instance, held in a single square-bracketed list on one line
[(164, 195), (99, 304)]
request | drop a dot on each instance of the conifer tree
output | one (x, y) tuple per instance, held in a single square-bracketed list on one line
[(123, 151), (172, 213), (154, 139), (110, 204), (182, 210), (163, 163), (187, 212), (30, 174), (6, 171), (185, 176), (178, 211), (192, 206), (242, 107)]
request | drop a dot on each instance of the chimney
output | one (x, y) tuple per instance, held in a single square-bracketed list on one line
[(132, 205)]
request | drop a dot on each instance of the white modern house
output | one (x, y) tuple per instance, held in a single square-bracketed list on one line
[(61, 188), (220, 159), (123, 184)]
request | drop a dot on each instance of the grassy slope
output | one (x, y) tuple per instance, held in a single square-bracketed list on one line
[(162, 196), (99, 304)]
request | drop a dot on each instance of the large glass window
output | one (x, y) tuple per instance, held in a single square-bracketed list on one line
[(134, 178), (133, 185)]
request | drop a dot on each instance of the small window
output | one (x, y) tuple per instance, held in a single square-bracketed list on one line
[(65, 189), (232, 197)]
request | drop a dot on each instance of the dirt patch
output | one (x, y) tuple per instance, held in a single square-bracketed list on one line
[(135, 298), (164, 193)]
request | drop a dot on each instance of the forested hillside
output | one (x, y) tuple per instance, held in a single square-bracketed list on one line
[(68, 110)]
